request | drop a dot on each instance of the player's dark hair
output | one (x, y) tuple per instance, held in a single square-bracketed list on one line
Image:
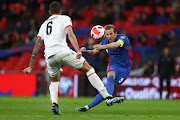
[(108, 27), (54, 8)]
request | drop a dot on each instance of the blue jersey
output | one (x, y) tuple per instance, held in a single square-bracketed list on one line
[(120, 55)]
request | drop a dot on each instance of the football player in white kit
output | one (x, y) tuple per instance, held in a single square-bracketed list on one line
[(53, 33)]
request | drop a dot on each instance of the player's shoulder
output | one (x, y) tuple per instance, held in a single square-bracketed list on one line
[(64, 17), (121, 36)]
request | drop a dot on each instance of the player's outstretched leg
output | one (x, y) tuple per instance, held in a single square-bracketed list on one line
[(55, 109), (111, 101), (99, 98)]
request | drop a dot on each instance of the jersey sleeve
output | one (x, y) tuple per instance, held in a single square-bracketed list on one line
[(122, 40), (40, 34), (67, 21)]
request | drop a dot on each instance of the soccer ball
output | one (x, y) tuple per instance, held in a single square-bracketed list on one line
[(97, 32)]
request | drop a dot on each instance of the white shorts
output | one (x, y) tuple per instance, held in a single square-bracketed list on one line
[(54, 63)]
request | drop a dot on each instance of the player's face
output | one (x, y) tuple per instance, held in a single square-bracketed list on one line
[(111, 35)]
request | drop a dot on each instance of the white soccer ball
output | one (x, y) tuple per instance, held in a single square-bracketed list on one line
[(97, 32)]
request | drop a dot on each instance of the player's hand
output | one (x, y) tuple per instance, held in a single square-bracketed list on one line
[(83, 49), (27, 71), (78, 55), (98, 47)]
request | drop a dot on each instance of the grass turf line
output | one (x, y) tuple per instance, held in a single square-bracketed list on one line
[(39, 108)]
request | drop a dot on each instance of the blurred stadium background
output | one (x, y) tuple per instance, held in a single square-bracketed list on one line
[(150, 26)]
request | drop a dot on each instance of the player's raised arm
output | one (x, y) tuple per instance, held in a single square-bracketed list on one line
[(112, 45), (89, 52), (73, 41), (37, 46)]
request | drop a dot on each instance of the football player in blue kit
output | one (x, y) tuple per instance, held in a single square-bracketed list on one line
[(118, 48)]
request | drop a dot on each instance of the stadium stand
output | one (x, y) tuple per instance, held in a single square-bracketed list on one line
[(14, 11)]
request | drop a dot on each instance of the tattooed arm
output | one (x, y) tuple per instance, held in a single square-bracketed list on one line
[(37, 46)]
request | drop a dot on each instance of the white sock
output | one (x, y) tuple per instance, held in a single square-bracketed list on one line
[(86, 107), (97, 83), (53, 88)]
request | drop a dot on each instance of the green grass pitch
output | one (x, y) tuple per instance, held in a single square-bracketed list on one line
[(39, 108)]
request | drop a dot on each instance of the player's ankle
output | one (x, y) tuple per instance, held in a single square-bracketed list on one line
[(109, 97), (86, 107)]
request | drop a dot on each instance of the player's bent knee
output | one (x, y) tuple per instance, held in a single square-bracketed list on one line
[(111, 73), (86, 67)]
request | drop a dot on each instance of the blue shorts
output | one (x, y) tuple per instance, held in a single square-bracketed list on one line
[(121, 72)]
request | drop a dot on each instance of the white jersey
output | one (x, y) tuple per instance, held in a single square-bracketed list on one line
[(53, 33)]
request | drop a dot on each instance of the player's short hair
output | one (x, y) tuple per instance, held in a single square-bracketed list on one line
[(54, 8), (108, 27)]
